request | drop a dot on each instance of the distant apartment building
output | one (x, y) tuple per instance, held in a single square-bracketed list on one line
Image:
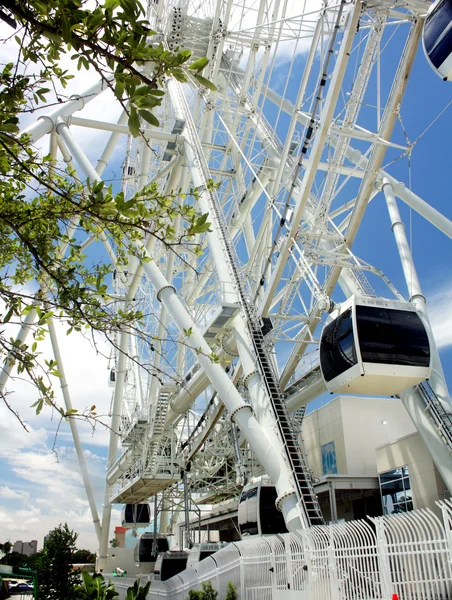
[(46, 539), (27, 548), (120, 535)]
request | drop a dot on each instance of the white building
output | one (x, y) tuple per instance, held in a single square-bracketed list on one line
[(27, 548), (366, 458)]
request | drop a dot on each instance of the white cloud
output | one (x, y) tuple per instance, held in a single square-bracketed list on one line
[(439, 307), (7, 492), (41, 489)]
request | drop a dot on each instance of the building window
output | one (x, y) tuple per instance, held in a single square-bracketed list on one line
[(395, 490), (329, 464)]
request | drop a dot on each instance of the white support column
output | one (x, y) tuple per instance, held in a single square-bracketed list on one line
[(437, 379), (191, 144), (420, 206), (91, 174), (110, 146), (9, 363), (241, 412), (46, 124), (316, 151), (411, 398), (113, 443), (267, 421), (74, 429)]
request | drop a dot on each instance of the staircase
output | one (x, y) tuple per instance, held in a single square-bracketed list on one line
[(439, 416), (303, 487), (160, 412)]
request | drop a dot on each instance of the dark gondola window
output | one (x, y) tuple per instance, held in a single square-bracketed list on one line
[(337, 348), (172, 567), (438, 33), (393, 337), (272, 520), (137, 513), (145, 548), (250, 527)]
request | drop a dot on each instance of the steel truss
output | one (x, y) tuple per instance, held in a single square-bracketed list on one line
[(229, 347)]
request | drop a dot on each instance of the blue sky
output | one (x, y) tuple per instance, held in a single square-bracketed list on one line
[(40, 489)]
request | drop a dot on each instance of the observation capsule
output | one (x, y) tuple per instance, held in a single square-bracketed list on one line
[(135, 515), (144, 548), (201, 551), (257, 513), (437, 38), (170, 564), (374, 346)]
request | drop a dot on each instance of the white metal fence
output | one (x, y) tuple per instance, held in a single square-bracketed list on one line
[(409, 554)]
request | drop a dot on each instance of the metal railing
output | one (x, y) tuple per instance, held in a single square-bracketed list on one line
[(408, 555)]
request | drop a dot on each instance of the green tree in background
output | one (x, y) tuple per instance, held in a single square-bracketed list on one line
[(56, 578), (84, 556), (46, 210)]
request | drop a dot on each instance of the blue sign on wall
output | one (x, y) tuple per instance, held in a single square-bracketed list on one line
[(329, 464)]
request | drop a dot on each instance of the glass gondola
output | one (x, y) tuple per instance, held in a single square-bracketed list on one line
[(144, 548), (437, 37), (375, 347), (135, 515), (201, 551), (257, 513), (170, 564)]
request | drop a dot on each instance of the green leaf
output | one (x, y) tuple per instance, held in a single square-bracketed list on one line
[(199, 64), (119, 89), (134, 122), (149, 117), (9, 127), (179, 75), (205, 82), (8, 316)]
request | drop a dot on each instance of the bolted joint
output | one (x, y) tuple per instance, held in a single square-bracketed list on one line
[(165, 287), (248, 377), (280, 499), (239, 408)]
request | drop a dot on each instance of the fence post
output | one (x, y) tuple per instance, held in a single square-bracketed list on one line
[(446, 513), (289, 559), (242, 579), (308, 551), (383, 559), (332, 567)]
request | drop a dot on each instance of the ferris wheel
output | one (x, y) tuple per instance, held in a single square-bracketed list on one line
[(285, 156)]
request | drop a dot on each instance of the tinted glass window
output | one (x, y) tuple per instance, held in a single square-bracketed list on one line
[(171, 567), (394, 337), (249, 528), (337, 348), (272, 520), (395, 490), (145, 554), (248, 494), (162, 545), (136, 513)]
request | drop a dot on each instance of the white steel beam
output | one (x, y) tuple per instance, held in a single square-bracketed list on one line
[(240, 412), (316, 152)]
